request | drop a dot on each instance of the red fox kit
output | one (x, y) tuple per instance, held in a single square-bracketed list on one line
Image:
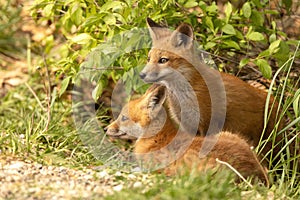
[(222, 100), (145, 119)]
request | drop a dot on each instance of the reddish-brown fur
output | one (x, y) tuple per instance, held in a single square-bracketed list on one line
[(152, 148), (245, 104)]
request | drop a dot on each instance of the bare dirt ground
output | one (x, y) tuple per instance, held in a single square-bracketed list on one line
[(25, 179)]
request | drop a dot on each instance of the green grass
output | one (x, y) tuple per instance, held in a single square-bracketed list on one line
[(209, 185), (11, 44), (190, 186), (288, 95), (31, 126)]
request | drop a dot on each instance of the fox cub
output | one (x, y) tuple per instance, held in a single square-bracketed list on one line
[(223, 100), (161, 143)]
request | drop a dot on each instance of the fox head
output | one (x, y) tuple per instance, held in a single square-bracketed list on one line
[(169, 52), (142, 117)]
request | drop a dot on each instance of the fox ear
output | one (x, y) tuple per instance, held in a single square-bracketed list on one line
[(152, 23), (157, 97), (183, 36), (155, 29)]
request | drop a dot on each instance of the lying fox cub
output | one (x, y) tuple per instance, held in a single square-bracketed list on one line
[(238, 107), (160, 142)]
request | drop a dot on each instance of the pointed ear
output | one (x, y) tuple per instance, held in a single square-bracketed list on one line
[(152, 23), (156, 97), (155, 29), (183, 36)]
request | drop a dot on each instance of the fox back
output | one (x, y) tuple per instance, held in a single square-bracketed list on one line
[(145, 118)]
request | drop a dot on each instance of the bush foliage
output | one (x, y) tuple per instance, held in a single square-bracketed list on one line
[(240, 34)]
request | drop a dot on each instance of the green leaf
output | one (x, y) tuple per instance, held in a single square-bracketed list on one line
[(257, 18), (272, 37), (257, 3), (97, 91), (76, 15), (229, 29), (232, 44), (274, 25), (64, 85), (246, 10), (190, 4), (47, 11), (281, 53), (264, 67), (111, 5), (64, 50), (110, 19), (244, 62), (82, 38), (209, 23), (228, 11), (239, 35), (93, 20), (264, 53), (209, 45), (212, 9), (274, 46), (255, 36)]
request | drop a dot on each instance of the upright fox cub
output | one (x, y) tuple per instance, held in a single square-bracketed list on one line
[(160, 142), (238, 107)]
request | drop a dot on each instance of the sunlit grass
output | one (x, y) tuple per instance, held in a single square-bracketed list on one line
[(33, 129), (286, 172)]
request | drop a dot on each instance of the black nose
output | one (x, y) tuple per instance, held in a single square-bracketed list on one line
[(142, 75)]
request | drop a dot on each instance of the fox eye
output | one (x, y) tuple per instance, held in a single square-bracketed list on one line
[(163, 60), (124, 118), (148, 59)]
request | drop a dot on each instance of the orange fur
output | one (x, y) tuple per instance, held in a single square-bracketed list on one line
[(141, 117)]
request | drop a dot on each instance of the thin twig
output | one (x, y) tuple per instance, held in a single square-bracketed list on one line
[(104, 68), (29, 53), (35, 96), (48, 92), (95, 2), (235, 171)]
